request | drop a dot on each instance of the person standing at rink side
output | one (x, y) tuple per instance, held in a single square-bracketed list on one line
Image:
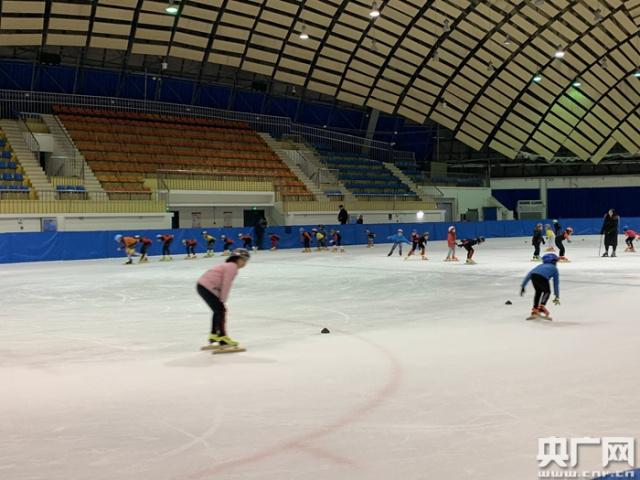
[(166, 240), (360, 220), (536, 241), (540, 277), (343, 215), (305, 237), (258, 230), (214, 287), (609, 229)]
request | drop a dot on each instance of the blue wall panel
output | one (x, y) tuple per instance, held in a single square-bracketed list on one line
[(591, 202), (16, 75), (47, 246)]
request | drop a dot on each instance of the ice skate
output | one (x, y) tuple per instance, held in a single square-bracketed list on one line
[(564, 260), (222, 344), (550, 249), (534, 314), (470, 261), (535, 258), (454, 259), (423, 257), (605, 254), (613, 255), (543, 313), (128, 262)]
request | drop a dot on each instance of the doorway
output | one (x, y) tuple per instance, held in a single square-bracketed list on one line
[(251, 217)]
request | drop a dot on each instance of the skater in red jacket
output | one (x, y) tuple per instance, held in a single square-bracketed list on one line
[(227, 243), (451, 243), (145, 244), (630, 236), (166, 240), (274, 241), (190, 245)]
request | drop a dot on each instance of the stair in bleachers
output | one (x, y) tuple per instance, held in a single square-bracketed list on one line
[(64, 145), (26, 163), (123, 148), (365, 177)]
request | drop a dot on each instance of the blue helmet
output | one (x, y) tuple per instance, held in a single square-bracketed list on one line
[(550, 258), (117, 238), (626, 227)]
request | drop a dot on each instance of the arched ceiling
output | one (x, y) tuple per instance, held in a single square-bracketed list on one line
[(467, 65)]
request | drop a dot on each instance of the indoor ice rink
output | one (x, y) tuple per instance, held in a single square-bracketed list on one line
[(426, 373)]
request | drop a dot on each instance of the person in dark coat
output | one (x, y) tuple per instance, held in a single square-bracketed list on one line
[(610, 231), (343, 215), (360, 220), (259, 230)]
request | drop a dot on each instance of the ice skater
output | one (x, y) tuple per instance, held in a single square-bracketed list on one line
[(540, 277), (630, 236), (247, 240), (305, 238), (398, 239), (421, 244), (227, 243), (190, 245), (609, 229), (214, 287), (371, 239), (211, 243), (451, 243), (274, 241), (166, 240), (468, 244), (414, 238), (321, 239), (536, 240), (145, 245), (336, 241), (560, 238), (129, 246), (550, 238)]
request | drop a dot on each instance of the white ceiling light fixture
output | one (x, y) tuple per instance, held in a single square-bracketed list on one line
[(507, 41), (172, 8), (597, 15), (446, 27), (303, 33), (538, 3), (375, 12), (637, 73), (559, 52)]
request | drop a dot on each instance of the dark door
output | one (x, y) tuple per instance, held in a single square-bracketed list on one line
[(251, 217), (175, 221)]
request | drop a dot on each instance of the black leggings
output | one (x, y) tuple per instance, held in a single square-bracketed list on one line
[(143, 250), (470, 252), (629, 241), (536, 249), (165, 249), (218, 320), (611, 240), (542, 288), (560, 245), (191, 250)]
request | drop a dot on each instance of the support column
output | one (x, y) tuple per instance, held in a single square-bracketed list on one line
[(543, 196), (374, 115)]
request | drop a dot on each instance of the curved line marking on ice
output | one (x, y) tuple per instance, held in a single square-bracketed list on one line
[(391, 384)]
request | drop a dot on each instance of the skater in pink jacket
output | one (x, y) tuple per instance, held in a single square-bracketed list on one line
[(214, 287)]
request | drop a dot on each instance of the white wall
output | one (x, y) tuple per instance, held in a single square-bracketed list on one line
[(331, 218), (469, 198), (214, 216), (567, 182), (87, 222)]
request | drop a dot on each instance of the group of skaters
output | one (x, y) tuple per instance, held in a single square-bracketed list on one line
[(138, 245), (418, 242), (321, 239)]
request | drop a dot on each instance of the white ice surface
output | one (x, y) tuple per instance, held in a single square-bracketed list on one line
[(426, 374)]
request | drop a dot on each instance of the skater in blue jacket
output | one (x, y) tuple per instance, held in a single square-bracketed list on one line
[(540, 277), (398, 239)]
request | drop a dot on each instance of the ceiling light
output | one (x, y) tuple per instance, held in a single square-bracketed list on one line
[(446, 27), (597, 15), (576, 84), (507, 41), (538, 3), (537, 78), (559, 52), (172, 8), (637, 73), (303, 33), (374, 13)]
